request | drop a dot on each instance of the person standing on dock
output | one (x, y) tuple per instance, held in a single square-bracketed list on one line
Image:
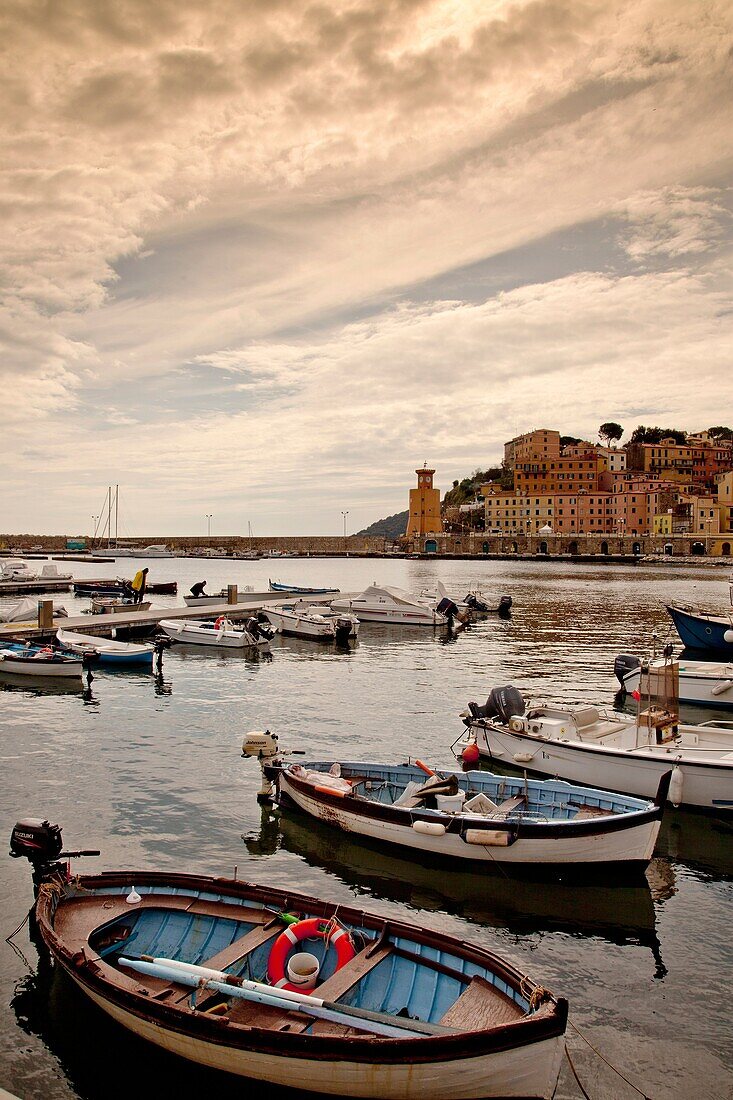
[(138, 585)]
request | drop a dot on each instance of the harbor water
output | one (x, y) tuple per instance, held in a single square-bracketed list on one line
[(148, 769)]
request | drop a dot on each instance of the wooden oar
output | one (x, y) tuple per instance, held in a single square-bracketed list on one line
[(379, 1023)]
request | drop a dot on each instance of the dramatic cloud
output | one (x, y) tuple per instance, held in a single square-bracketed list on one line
[(349, 237)]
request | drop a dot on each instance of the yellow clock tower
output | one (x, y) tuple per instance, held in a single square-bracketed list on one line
[(424, 517)]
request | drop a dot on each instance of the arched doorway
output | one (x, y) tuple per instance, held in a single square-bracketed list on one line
[(697, 548), (543, 548), (515, 547), (604, 547), (485, 548), (636, 548), (725, 550), (668, 549), (431, 546), (573, 548)]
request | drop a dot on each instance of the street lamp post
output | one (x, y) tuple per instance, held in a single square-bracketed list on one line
[(344, 515), (95, 520), (209, 516)]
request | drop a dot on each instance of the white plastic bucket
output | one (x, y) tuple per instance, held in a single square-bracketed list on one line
[(303, 970), (450, 803)]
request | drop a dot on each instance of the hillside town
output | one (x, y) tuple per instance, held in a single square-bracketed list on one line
[(676, 490)]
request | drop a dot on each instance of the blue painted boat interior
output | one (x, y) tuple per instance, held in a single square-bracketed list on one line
[(550, 799), (394, 985)]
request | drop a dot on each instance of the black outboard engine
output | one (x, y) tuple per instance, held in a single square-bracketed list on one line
[(448, 608), (40, 842), (623, 665), (505, 605), (506, 702)]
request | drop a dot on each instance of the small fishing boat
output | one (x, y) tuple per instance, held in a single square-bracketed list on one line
[(301, 590), (117, 605), (244, 595), (221, 632), (474, 605), (469, 816), (107, 651), (117, 587), (39, 661), (385, 604), (276, 986), (706, 683), (17, 569), (583, 745), (304, 620)]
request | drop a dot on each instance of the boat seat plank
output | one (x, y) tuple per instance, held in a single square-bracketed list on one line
[(481, 1006), (241, 947), (510, 804), (340, 982)]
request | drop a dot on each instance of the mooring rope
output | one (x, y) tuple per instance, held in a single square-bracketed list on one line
[(603, 1059)]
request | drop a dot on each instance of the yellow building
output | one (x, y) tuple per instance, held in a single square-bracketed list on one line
[(725, 501), (424, 517)]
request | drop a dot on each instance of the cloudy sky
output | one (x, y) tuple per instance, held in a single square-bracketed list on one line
[(262, 258)]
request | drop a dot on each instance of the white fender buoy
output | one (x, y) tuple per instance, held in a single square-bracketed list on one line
[(133, 897), (676, 784), (494, 838), (523, 757), (725, 685), (728, 636), (429, 828)]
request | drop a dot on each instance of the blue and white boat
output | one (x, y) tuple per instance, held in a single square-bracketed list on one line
[(276, 986), (475, 816), (39, 661), (106, 651), (701, 629), (301, 590)]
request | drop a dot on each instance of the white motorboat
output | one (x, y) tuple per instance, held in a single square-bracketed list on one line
[(105, 650), (17, 569), (474, 605), (707, 683), (617, 753), (471, 816), (221, 632), (155, 550), (384, 604), (306, 621)]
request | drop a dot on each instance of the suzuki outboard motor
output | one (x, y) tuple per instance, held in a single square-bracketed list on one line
[(623, 665), (40, 842)]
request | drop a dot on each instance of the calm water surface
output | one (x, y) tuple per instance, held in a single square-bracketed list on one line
[(149, 771)]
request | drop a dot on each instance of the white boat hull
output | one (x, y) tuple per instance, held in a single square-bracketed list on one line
[(635, 845), (710, 686), (524, 1072), (307, 625), (46, 670), (218, 639), (635, 772)]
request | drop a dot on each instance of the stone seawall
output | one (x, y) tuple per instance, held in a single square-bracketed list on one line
[(474, 544)]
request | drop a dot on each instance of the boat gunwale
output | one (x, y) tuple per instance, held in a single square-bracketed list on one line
[(548, 1022), (455, 823)]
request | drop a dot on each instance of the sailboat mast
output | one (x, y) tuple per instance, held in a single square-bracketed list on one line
[(117, 511), (109, 516)]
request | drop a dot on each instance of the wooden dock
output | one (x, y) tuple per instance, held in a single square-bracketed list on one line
[(32, 588), (145, 622)]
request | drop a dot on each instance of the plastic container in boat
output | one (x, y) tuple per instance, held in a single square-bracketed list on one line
[(450, 803), (303, 970)]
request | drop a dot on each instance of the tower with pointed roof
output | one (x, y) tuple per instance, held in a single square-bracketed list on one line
[(424, 517)]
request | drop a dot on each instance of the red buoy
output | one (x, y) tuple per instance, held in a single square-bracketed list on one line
[(470, 754)]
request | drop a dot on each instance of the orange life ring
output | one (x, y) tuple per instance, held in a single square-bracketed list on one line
[(220, 622), (304, 930)]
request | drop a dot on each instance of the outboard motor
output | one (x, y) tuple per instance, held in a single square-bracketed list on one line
[(623, 665), (505, 702), (40, 843), (264, 747), (505, 605), (342, 631)]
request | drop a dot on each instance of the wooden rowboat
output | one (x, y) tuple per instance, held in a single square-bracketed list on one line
[(476, 816), (186, 962)]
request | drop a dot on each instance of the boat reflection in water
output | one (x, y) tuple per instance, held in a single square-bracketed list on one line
[(619, 914)]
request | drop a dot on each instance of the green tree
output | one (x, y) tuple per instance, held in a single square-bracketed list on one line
[(611, 432), (720, 432), (641, 434)]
